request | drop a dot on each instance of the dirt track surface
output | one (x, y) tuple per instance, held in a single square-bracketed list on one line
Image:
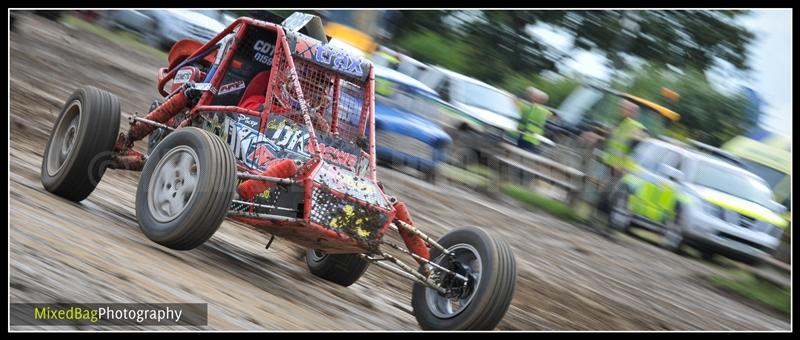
[(93, 251)]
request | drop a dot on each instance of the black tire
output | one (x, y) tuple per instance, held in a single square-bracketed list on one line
[(464, 149), (154, 138), (209, 200), (53, 15), (617, 201), (342, 269), (107, 22), (707, 255), (673, 238), (492, 296), (75, 172), (430, 175)]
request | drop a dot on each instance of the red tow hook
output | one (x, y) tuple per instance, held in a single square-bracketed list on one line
[(284, 168)]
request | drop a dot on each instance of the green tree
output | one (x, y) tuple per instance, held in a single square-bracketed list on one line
[(428, 47), (502, 45), (707, 114), (556, 89), (682, 38)]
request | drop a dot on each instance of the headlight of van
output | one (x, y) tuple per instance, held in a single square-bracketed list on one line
[(713, 210)]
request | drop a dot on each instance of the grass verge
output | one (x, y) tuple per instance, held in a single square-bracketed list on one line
[(749, 286), (549, 205), (121, 37)]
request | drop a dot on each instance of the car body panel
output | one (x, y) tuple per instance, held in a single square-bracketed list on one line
[(401, 133)]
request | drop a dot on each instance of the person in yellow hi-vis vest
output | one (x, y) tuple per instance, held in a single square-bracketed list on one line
[(622, 138), (618, 144), (533, 119)]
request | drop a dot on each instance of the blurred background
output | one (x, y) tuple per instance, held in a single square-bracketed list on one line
[(602, 119)]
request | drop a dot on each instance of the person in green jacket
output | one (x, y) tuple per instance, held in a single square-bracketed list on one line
[(533, 119)]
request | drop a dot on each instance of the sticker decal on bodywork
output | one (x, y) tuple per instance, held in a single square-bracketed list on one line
[(232, 87)]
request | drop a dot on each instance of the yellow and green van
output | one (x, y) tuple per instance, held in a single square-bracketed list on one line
[(768, 155), (693, 198)]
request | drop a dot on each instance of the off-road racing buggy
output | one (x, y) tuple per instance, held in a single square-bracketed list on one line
[(269, 125)]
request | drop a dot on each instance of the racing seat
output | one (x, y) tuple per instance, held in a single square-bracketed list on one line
[(255, 93)]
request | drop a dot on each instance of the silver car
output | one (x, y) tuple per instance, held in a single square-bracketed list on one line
[(162, 28), (697, 199)]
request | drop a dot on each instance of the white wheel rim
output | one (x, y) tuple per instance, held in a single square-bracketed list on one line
[(173, 183)]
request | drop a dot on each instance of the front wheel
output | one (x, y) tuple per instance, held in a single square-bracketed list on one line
[(481, 302), (619, 217), (673, 235), (186, 188)]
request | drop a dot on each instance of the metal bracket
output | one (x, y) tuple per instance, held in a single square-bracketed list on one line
[(135, 118), (200, 87), (272, 237)]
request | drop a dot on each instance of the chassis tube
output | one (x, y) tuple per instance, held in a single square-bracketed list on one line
[(162, 114), (404, 269)]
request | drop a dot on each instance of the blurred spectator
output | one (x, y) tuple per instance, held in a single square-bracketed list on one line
[(533, 119), (622, 139), (387, 58)]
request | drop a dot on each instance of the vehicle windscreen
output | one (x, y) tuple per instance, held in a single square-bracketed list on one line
[(726, 180), (486, 98), (772, 176), (652, 120), (411, 99), (778, 181), (577, 104)]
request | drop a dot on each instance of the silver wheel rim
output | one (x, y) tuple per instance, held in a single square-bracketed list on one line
[(443, 307), (173, 183), (64, 136), (317, 255)]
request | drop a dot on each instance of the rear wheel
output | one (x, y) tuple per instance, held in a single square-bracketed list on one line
[(463, 151), (707, 255), (481, 302), (186, 189), (81, 144), (342, 269), (107, 21)]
